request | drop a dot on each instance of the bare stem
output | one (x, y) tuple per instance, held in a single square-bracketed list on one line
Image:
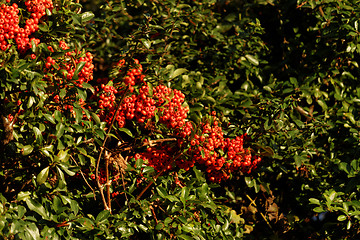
[(83, 176), (106, 206)]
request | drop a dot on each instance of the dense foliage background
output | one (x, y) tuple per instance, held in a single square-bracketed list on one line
[(281, 76)]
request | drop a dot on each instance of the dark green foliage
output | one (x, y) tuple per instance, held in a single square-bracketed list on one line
[(284, 72)]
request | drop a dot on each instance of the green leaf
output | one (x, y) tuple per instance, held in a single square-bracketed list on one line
[(182, 219), (26, 150), (298, 160), (33, 231), (341, 218), (43, 175), (23, 196), (35, 206), (318, 209), (60, 128), (50, 118), (87, 16), (78, 68), (71, 171), (78, 114), (252, 59), (57, 205), (177, 72), (314, 201), (95, 117), (147, 43), (322, 104), (63, 156), (76, 19), (102, 216), (249, 181), (348, 226), (38, 134), (74, 206), (161, 191), (127, 131), (86, 222), (185, 237)]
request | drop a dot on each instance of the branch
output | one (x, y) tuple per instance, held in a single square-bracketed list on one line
[(102, 150), (107, 156), (149, 143), (83, 176), (262, 215), (306, 114)]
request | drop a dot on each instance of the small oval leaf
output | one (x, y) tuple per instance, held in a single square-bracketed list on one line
[(42, 176)]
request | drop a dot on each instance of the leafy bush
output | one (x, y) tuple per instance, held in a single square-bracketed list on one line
[(179, 119)]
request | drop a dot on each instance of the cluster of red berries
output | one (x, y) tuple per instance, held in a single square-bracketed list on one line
[(69, 63), (208, 148), (133, 76), (169, 103), (142, 105), (206, 144), (220, 155), (9, 24), (158, 157)]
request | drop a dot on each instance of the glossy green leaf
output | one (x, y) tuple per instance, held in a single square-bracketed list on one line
[(35, 206), (43, 175)]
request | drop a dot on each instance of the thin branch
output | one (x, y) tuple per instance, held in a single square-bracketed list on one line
[(153, 213), (149, 143), (123, 181), (102, 150), (107, 181), (83, 176), (262, 215)]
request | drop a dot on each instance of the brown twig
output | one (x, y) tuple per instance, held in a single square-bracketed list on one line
[(107, 180), (262, 215), (83, 176), (306, 114), (153, 213), (150, 143), (107, 207), (123, 181)]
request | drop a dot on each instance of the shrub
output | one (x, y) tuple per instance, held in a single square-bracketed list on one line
[(179, 119)]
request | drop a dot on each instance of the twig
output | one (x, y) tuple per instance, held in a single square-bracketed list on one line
[(150, 143), (153, 213), (306, 114), (107, 181), (123, 181), (102, 150), (83, 176), (262, 215)]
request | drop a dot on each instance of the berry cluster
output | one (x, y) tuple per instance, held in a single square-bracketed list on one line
[(208, 148), (142, 105), (220, 155), (157, 157), (9, 24), (133, 76), (69, 63), (205, 144), (169, 103)]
